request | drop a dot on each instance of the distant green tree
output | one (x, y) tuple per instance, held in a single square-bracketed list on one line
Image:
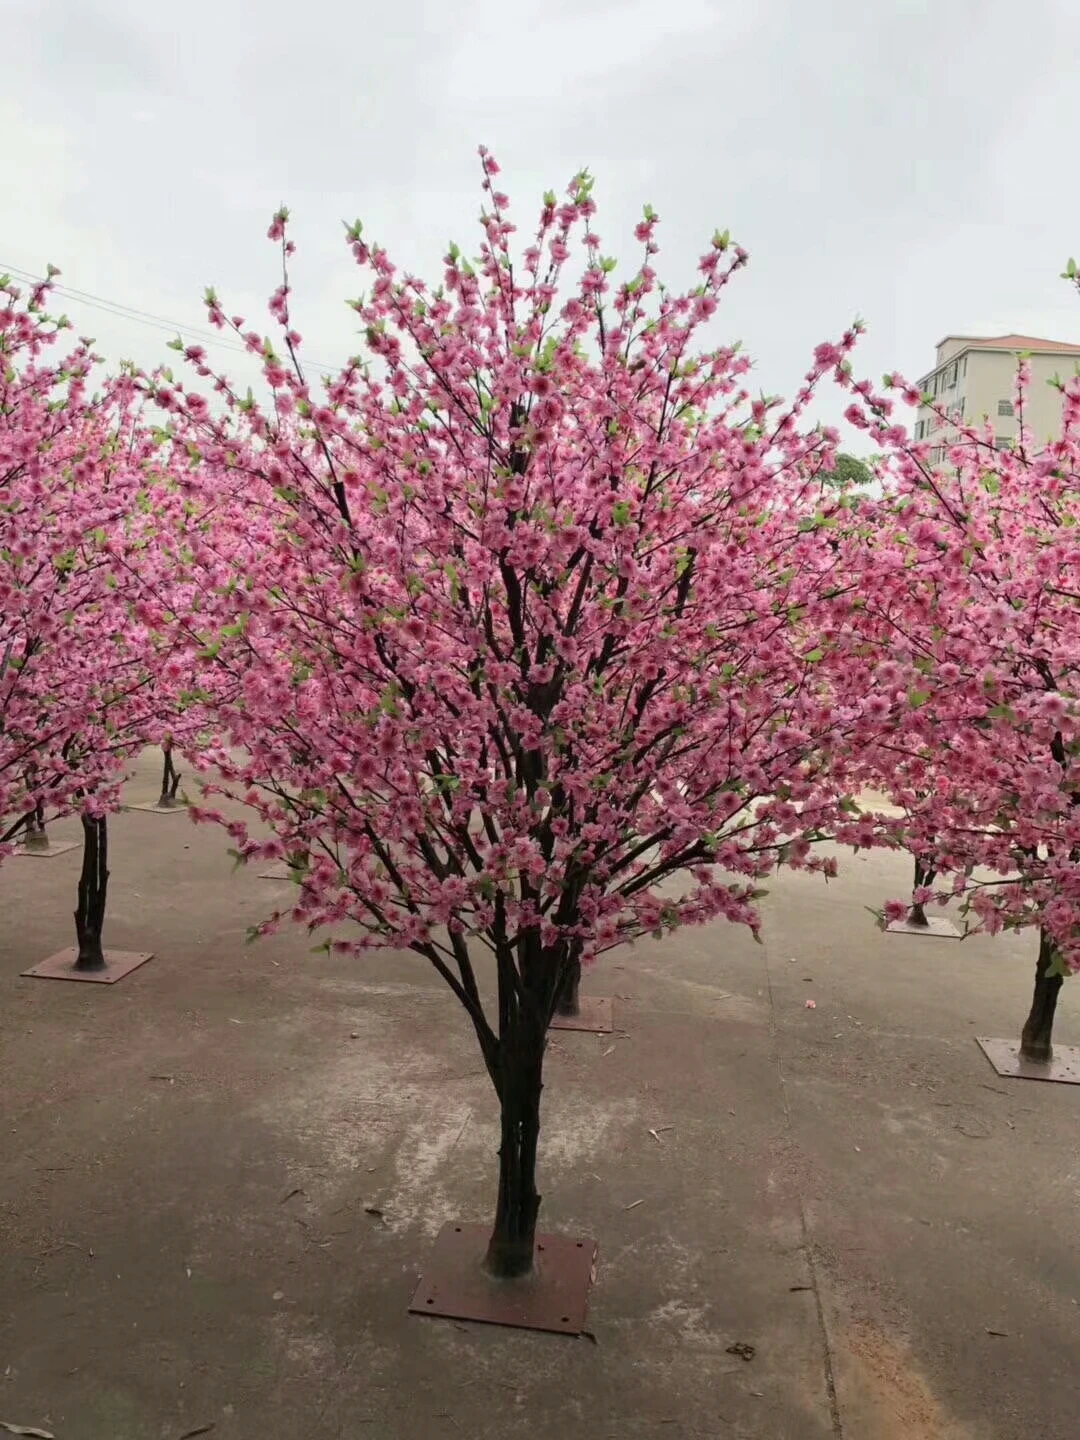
[(848, 472)]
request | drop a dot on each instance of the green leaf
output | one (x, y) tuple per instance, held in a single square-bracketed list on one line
[(1057, 967), (918, 698), (1003, 712), (388, 700), (620, 513), (813, 656)]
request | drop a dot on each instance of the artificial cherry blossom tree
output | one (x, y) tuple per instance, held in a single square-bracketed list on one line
[(514, 625), (970, 583), (75, 690)]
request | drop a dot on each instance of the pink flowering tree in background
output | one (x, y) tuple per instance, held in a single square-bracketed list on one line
[(513, 627), (970, 585), (75, 692)]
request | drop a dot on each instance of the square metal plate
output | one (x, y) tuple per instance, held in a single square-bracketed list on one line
[(118, 963), (595, 1014), (155, 807), (1004, 1056), (50, 851), (935, 927), (276, 872), (555, 1297)]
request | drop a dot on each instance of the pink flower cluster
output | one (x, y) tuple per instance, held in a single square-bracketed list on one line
[(533, 629), (75, 692), (516, 623)]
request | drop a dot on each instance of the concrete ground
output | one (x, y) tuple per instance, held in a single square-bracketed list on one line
[(190, 1162)]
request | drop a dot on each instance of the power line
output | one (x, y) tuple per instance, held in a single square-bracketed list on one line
[(121, 311)]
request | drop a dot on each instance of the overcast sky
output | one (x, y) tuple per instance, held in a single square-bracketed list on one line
[(907, 160)]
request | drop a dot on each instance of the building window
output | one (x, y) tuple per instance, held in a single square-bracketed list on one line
[(920, 429), (1005, 407), (963, 366), (951, 374), (1003, 442)]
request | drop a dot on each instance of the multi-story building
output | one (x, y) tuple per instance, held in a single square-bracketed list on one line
[(974, 379)]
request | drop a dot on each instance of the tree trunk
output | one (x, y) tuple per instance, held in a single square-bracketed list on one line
[(170, 779), (1036, 1036), (34, 837), (93, 883), (513, 1238), (923, 876), (569, 995)]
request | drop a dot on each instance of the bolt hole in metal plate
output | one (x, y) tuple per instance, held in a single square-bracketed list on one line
[(1004, 1056), (555, 1297)]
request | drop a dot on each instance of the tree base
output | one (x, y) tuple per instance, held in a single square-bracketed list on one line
[(61, 966), (595, 1014), (1005, 1057), (49, 851), (554, 1297), (155, 807), (936, 927)]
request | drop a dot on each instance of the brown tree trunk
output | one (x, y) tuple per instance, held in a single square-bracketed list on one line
[(569, 995), (923, 876), (34, 836), (513, 1237), (1036, 1036), (93, 884), (170, 779)]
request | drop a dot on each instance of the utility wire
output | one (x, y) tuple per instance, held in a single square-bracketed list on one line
[(142, 317)]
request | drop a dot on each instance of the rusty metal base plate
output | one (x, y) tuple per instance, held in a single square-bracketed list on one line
[(118, 963), (1005, 1057), (595, 1014), (155, 807), (555, 1297), (50, 851), (935, 927)]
